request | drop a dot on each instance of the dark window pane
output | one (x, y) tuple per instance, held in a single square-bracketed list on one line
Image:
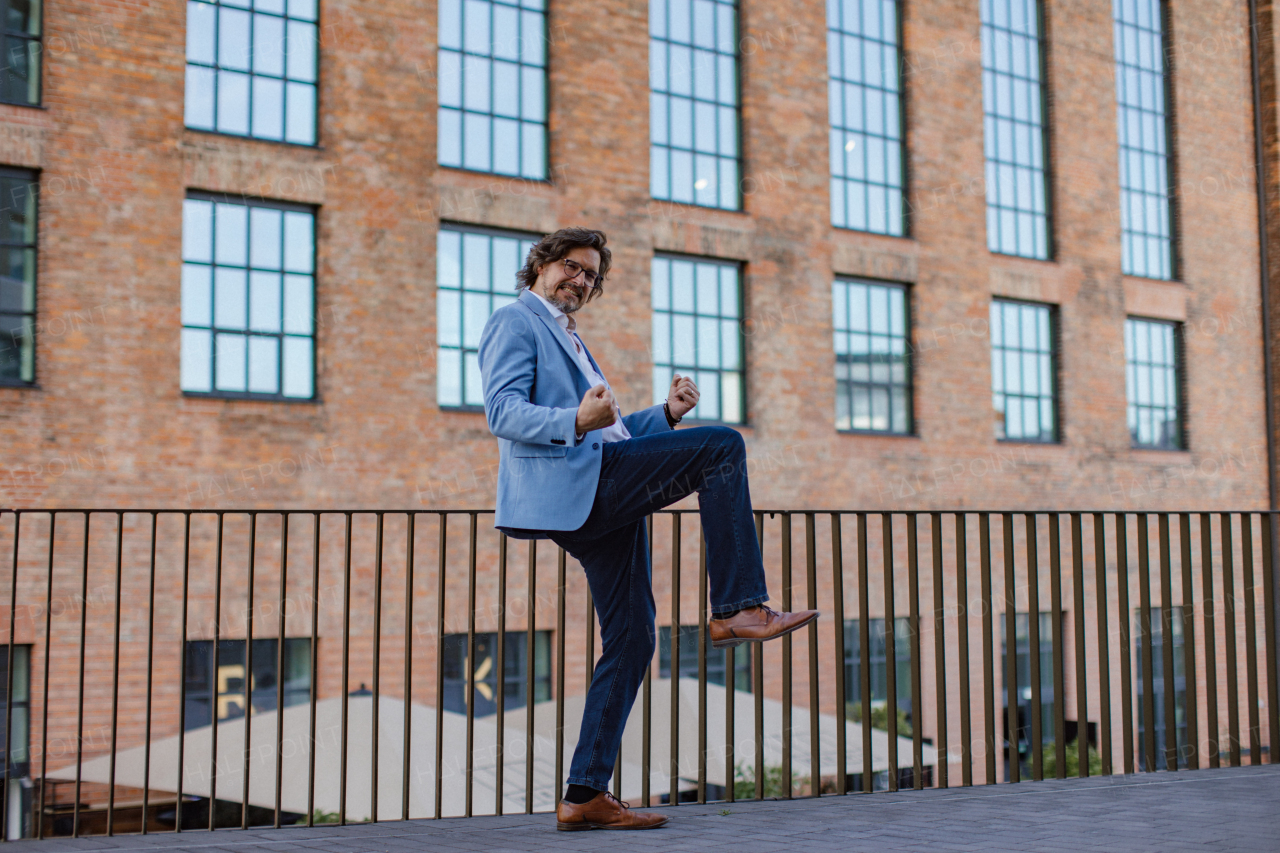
[(459, 673), (219, 688), (715, 659)]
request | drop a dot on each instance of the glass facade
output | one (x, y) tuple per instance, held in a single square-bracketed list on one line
[(248, 292), (475, 276), (716, 669), (492, 86), (20, 79), (697, 308), (878, 660), (1164, 623), (1023, 740), (18, 191), (1153, 383), (1023, 371), (1145, 216), (873, 359), (864, 97), (252, 67), (693, 102), (216, 690), (1014, 120), (517, 680)]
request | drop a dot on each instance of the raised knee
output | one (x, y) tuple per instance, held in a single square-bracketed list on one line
[(730, 438)]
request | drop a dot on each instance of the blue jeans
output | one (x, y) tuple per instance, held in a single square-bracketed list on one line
[(637, 477)]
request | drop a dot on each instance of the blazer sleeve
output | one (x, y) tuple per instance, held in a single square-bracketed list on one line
[(508, 370), (647, 421)]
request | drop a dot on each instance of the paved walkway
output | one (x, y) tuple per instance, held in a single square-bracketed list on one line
[(1203, 810)]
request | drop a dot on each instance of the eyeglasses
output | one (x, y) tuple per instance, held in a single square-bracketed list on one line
[(589, 278)]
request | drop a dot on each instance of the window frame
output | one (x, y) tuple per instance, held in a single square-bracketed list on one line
[(252, 10), (1170, 156), (279, 397), (467, 228), (740, 266), (33, 177), (1055, 372), (38, 103), (739, 157), (1046, 137), (213, 654), (546, 101), (1179, 384), (906, 219), (544, 639), (907, 293)]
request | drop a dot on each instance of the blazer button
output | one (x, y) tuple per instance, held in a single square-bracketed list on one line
[(595, 446)]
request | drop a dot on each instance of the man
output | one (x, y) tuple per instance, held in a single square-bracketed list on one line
[(574, 470)]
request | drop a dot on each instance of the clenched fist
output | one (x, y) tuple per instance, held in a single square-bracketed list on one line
[(682, 397), (597, 410)]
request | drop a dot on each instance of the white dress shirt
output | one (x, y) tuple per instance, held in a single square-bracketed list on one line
[(616, 431)]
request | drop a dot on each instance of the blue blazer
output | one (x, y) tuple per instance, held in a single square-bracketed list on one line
[(532, 387)]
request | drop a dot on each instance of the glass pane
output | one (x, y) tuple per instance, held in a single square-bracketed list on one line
[(201, 24), (300, 113), (268, 108), (233, 102), (298, 370), (264, 364), (198, 105), (299, 242), (302, 52), (231, 362), (265, 237), (449, 377), (264, 301), (196, 371), (298, 312), (197, 295), (229, 298), (268, 45), (197, 230)]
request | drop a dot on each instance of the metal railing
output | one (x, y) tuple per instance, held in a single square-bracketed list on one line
[(118, 692)]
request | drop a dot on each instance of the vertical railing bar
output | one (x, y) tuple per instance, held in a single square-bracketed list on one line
[(757, 693), (864, 654), (1055, 629), (913, 604), (407, 734), (115, 681), (1269, 626), (1144, 638), (811, 576), (280, 641), (1082, 676), (560, 594), (674, 758), (248, 670), (1188, 640), (988, 667), (1250, 638), (730, 693), (837, 586), (1166, 645), (939, 648), (8, 705), (962, 594), (500, 720), (531, 670), (213, 667), (788, 779), (151, 633), (471, 662), (44, 694), (1229, 601), (1104, 633), (314, 673), (1012, 697), (441, 571), (646, 746), (702, 664), (890, 647), (1033, 646), (346, 671), (1210, 642), (1124, 628), (84, 596), (182, 674), (375, 719)]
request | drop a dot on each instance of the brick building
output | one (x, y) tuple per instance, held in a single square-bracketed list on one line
[(855, 224)]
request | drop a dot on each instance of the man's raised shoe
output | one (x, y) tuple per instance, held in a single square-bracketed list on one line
[(755, 625), (604, 812)]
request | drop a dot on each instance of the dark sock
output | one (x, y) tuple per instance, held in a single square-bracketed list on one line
[(727, 614), (579, 794)]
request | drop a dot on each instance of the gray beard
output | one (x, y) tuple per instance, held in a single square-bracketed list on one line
[(563, 306)]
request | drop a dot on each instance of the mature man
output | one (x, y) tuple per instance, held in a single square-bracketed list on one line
[(573, 470)]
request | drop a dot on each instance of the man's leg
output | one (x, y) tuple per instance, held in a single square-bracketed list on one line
[(645, 474), (617, 569)]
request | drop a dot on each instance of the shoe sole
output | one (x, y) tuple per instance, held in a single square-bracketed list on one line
[(729, 644), (582, 827)]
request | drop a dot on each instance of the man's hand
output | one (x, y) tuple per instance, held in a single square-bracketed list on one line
[(682, 397), (597, 410)]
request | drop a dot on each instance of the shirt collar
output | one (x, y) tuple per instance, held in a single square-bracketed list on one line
[(566, 321)]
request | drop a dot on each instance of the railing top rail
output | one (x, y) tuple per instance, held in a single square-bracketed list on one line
[(690, 511)]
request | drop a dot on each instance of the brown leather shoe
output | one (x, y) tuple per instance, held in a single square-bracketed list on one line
[(755, 625), (604, 812)]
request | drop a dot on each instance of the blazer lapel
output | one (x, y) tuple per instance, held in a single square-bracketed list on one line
[(535, 305)]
